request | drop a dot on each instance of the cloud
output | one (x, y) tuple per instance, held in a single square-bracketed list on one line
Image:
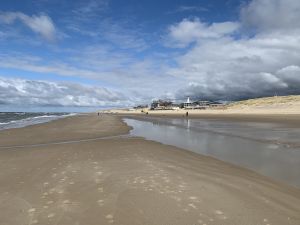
[(125, 34), (90, 8), (45, 93), (191, 8), (189, 31), (267, 15), (220, 66), (185, 8), (40, 24), (231, 69), (133, 77), (226, 60), (38, 65)]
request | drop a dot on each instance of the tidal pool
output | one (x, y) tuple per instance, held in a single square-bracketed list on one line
[(268, 148)]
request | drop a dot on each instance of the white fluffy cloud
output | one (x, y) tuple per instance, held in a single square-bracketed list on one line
[(221, 66), (44, 93), (40, 24), (188, 31)]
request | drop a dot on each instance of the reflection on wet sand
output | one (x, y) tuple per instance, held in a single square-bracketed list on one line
[(267, 148)]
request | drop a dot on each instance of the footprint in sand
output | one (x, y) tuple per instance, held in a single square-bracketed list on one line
[(192, 206), (219, 212), (51, 215), (193, 198), (266, 221), (100, 202), (110, 218), (32, 210), (220, 215), (66, 202)]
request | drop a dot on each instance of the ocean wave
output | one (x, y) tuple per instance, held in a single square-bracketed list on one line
[(45, 116), (32, 119)]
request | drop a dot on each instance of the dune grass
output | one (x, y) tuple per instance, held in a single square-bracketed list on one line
[(290, 99)]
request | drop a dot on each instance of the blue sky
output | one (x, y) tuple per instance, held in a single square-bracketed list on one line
[(113, 53)]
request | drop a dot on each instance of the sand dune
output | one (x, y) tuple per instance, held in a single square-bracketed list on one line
[(279, 104)]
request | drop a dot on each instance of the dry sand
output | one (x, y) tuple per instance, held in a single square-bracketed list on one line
[(130, 181), (271, 109)]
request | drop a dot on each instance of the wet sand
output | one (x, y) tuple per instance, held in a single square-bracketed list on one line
[(79, 170), (260, 147)]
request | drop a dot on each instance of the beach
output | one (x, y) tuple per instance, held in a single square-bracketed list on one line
[(86, 170), (279, 109)]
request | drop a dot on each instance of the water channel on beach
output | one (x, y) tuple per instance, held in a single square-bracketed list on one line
[(270, 149)]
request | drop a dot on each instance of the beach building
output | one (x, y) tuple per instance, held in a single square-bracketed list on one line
[(161, 105), (196, 104), (187, 104), (217, 105)]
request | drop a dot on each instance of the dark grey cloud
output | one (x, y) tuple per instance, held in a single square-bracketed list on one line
[(224, 67), (284, 82), (271, 14)]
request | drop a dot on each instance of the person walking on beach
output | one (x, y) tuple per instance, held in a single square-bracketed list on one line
[(187, 114)]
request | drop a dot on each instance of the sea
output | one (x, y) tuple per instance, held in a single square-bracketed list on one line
[(10, 120)]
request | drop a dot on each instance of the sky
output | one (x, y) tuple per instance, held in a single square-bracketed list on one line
[(79, 55)]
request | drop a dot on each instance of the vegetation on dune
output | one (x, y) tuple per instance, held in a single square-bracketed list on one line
[(290, 99)]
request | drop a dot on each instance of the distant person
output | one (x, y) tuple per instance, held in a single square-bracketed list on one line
[(187, 114), (98, 114)]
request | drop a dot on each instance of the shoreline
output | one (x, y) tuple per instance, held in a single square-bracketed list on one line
[(128, 181), (34, 119)]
